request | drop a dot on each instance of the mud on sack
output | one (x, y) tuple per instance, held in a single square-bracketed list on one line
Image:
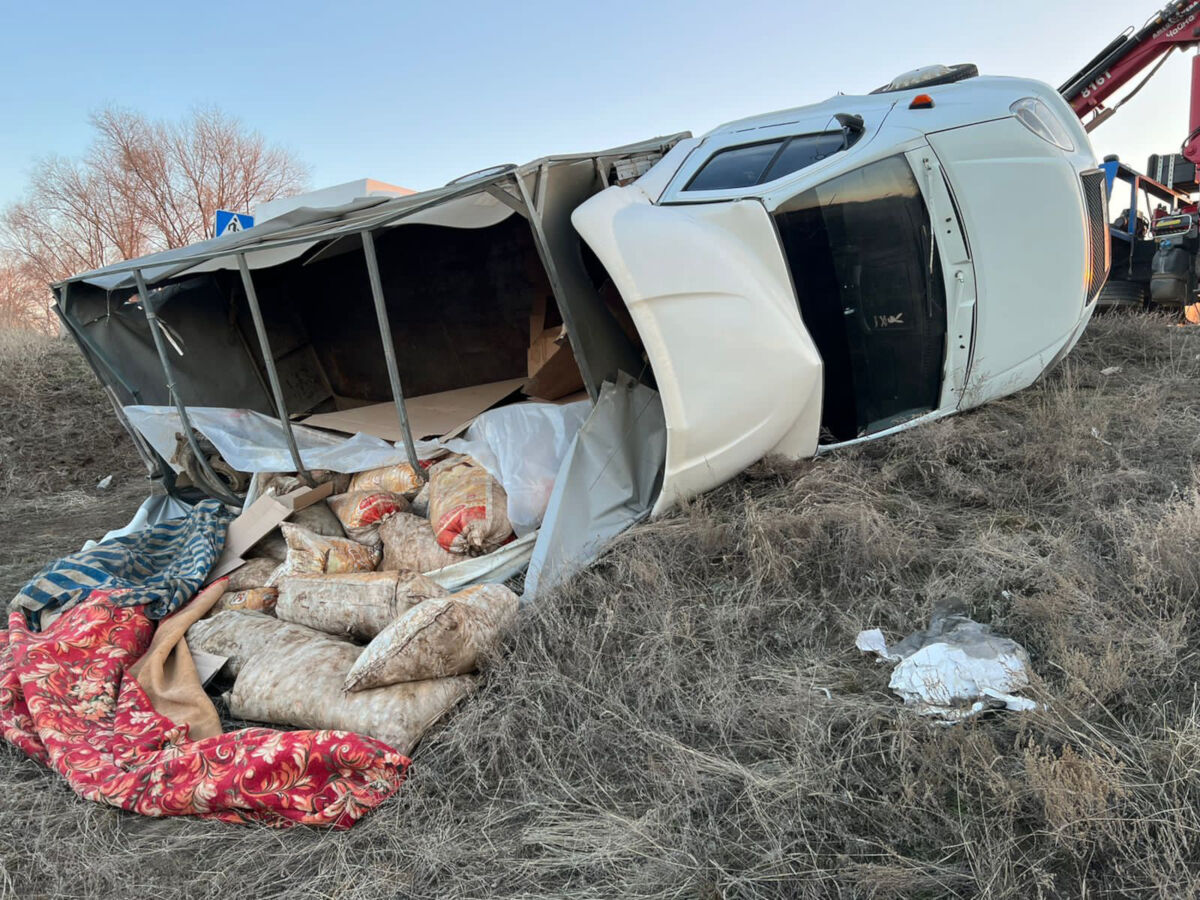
[(409, 545), (467, 507), (312, 554), (241, 635), (279, 483), (253, 573), (261, 599), (440, 637), (318, 518), (246, 588), (298, 682), (357, 604)]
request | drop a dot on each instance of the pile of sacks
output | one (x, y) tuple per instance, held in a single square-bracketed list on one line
[(333, 623)]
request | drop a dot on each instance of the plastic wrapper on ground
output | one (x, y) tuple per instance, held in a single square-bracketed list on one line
[(955, 669)]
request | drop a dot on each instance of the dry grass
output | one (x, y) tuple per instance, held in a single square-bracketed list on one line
[(57, 430), (58, 438), (689, 718)]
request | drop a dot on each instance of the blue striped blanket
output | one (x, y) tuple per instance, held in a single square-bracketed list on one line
[(160, 567)]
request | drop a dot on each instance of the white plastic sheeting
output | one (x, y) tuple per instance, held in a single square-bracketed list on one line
[(493, 568), (252, 442), (523, 446), (955, 669), (154, 509)]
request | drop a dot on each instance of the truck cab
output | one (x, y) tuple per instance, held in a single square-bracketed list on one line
[(822, 275)]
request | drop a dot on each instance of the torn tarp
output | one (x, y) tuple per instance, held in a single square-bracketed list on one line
[(609, 480)]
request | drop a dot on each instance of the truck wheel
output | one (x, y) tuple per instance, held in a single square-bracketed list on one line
[(1121, 295)]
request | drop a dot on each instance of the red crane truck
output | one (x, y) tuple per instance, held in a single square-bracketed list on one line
[(1155, 258)]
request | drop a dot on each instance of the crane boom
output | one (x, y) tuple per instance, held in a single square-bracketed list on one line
[(1176, 25)]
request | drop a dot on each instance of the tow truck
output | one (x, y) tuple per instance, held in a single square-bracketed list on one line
[(1155, 260)]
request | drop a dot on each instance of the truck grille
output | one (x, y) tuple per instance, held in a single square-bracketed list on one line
[(1096, 206)]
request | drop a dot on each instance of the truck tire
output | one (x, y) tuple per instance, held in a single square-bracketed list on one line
[(1120, 295)]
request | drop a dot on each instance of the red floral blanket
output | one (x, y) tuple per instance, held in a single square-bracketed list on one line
[(65, 700)]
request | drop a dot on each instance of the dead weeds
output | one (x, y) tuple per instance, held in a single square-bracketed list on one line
[(57, 429), (689, 717)]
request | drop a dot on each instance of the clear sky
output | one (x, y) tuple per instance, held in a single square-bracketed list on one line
[(417, 94)]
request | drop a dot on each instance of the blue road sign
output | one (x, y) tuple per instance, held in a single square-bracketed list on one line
[(229, 222)]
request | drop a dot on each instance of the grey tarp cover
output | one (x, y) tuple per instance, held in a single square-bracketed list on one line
[(609, 480), (298, 223), (555, 184)]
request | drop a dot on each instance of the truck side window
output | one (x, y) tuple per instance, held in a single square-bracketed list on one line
[(804, 151), (750, 164), (734, 168), (869, 285)]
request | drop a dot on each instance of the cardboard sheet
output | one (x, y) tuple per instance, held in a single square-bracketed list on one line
[(558, 376), (537, 318), (544, 346), (264, 515), (430, 416)]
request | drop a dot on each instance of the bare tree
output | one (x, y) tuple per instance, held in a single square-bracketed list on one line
[(24, 300), (143, 185)]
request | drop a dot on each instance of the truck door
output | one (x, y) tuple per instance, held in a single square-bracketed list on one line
[(869, 286)]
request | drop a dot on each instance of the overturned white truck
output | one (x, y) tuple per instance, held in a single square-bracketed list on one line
[(786, 283)]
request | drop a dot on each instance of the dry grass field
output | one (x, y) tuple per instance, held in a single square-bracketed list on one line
[(689, 717)]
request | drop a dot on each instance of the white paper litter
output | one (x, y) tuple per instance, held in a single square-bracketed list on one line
[(955, 669)]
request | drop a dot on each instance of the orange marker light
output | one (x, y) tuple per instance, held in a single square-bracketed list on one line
[(921, 101)]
